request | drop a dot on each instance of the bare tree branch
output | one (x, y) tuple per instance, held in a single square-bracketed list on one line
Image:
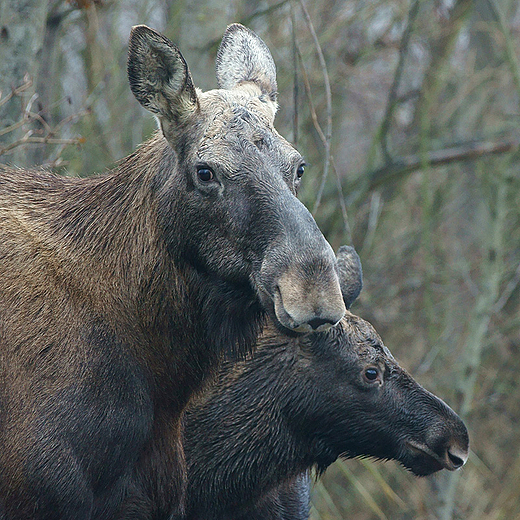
[(404, 165), (509, 43), (328, 97), (442, 49), (317, 127), (212, 45), (295, 77), (392, 95), (44, 134), (508, 291), (27, 84), (480, 316), (28, 139)]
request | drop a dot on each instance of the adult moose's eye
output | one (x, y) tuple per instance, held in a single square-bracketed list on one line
[(205, 174), (371, 374), (300, 171)]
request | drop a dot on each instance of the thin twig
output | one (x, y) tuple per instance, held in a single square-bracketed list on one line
[(319, 131), (328, 97), (308, 92), (18, 90), (510, 45), (28, 139), (442, 48), (342, 204), (373, 217), (39, 118), (214, 43), (295, 78), (508, 291), (32, 99), (13, 127), (72, 118), (392, 95), (263, 12)]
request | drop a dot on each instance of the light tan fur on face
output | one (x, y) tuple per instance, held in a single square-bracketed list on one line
[(220, 103), (298, 299), (232, 124)]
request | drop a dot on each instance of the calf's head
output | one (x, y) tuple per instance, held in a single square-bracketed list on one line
[(364, 404), (227, 181)]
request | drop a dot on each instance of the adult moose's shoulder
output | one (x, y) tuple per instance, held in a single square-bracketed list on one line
[(119, 292)]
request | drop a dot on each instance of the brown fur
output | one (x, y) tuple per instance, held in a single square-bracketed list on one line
[(119, 293)]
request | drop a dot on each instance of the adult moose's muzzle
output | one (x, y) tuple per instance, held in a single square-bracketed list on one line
[(298, 280)]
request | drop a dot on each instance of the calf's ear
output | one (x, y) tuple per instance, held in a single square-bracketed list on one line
[(159, 76), (350, 274), (243, 57)]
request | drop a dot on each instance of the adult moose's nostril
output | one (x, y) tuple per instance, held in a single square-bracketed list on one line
[(321, 324)]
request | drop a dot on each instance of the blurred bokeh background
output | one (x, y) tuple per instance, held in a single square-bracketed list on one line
[(408, 114)]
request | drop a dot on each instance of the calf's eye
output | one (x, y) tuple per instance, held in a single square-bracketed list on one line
[(371, 374), (205, 174), (300, 171)]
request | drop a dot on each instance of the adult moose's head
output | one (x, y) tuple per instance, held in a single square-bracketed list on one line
[(302, 402), (231, 209)]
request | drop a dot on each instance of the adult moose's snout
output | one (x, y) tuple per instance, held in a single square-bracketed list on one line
[(306, 297), (299, 275)]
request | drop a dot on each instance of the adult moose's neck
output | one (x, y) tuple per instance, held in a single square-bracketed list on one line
[(241, 442), (111, 236), (105, 229)]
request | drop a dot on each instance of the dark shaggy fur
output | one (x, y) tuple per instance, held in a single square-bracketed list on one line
[(301, 403)]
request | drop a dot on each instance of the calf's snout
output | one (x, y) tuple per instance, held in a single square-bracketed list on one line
[(446, 444), (456, 456)]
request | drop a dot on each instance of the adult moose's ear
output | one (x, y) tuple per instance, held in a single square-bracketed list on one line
[(243, 57), (350, 274), (159, 76)]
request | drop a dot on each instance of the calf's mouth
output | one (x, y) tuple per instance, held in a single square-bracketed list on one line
[(452, 458)]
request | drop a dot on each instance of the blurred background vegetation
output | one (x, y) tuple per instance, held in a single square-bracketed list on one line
[(408, 114)]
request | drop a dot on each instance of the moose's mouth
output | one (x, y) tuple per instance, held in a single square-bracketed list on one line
[(452, 460), (307, 322), (284, 320), (275, 309), (300, 299), (289, 322)]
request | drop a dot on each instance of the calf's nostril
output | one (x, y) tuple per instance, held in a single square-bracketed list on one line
[(456, 459)]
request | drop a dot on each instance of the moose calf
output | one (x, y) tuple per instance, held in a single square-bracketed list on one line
[(119, 292), (299, 403)]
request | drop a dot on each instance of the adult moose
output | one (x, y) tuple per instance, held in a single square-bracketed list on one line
[(119, 292), (302, 402)]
